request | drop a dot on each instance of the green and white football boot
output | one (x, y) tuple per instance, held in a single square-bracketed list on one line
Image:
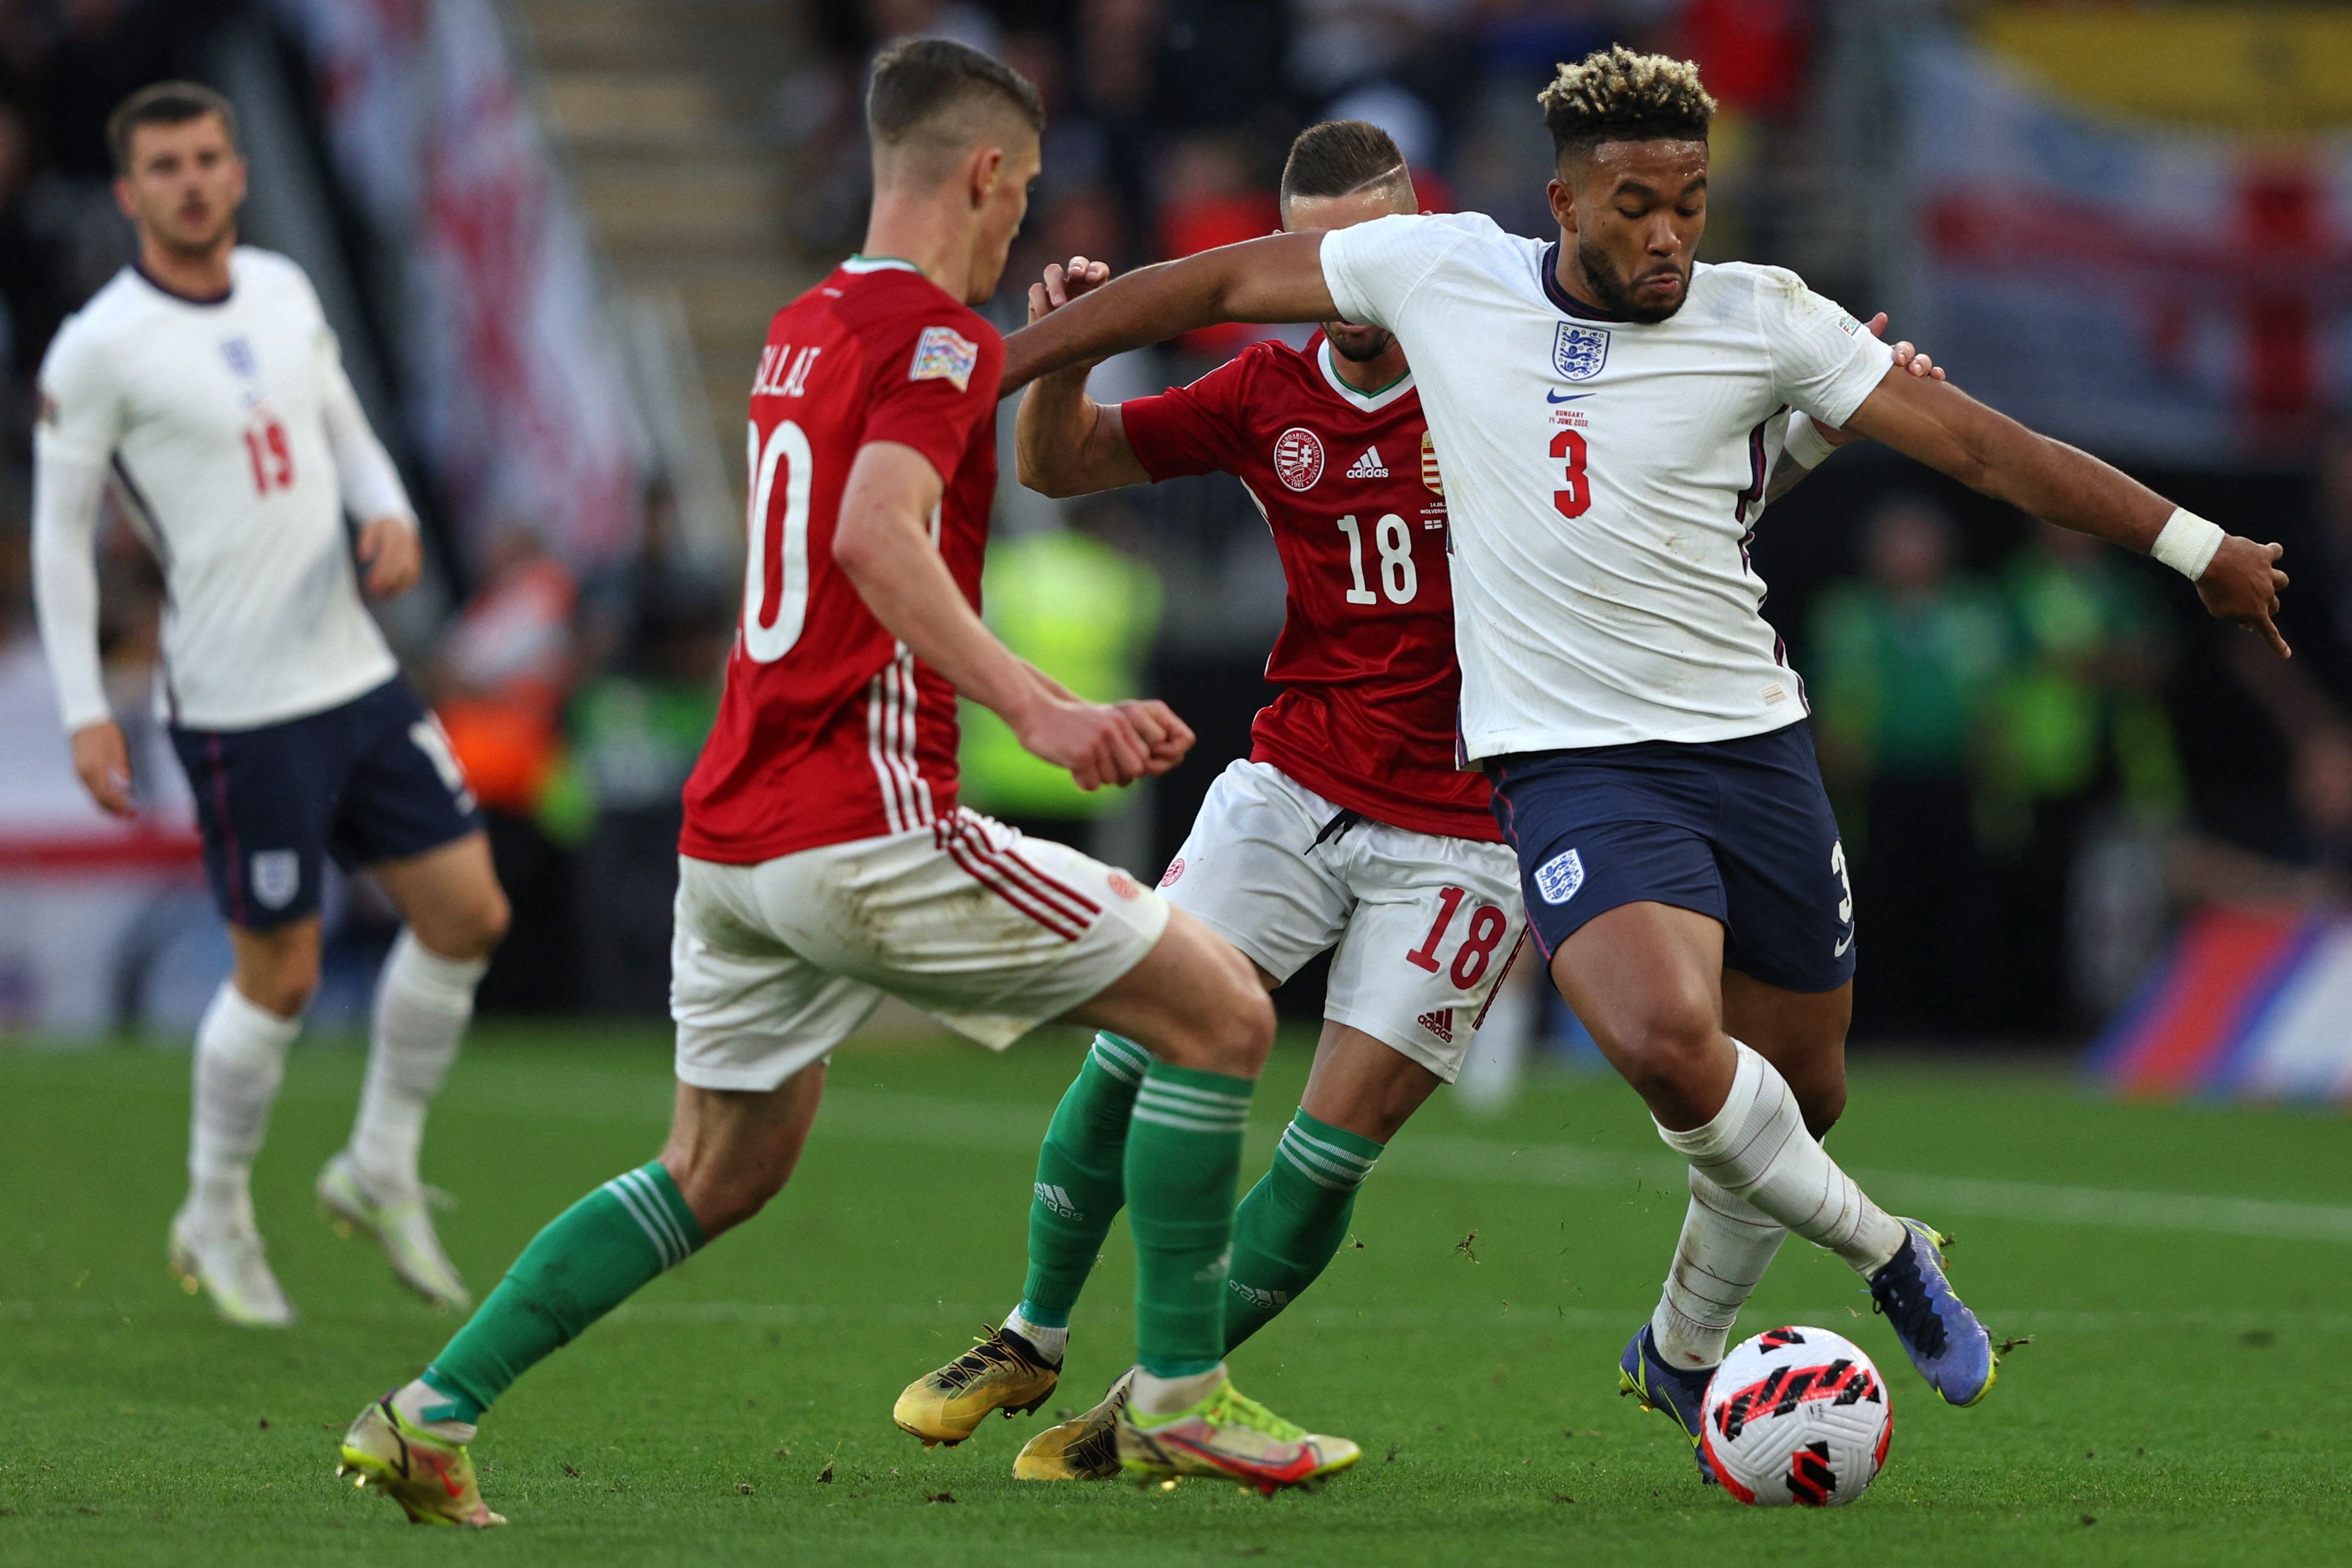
[(402, 1225), (225, 1262)]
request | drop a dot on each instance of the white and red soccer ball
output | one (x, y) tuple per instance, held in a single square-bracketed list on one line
[(1797, 1415)]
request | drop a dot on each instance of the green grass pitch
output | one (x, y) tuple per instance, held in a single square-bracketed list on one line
[(2187, 1398)]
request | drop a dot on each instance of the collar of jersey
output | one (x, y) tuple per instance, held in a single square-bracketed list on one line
[(879, 264), (1565, 302), (1370, 402), (168, 292)]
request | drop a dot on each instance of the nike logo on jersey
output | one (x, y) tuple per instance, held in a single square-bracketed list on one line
[(1839, 951), (1368, 466), (1550, 396)]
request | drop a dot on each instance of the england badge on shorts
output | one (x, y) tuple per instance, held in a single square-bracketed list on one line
[(276, 877), (1557, 878), (1577, 351)]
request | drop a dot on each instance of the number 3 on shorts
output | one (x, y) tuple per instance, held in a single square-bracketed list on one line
[(434, 741)]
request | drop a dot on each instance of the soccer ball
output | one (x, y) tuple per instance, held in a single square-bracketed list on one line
[(1797, 1415)]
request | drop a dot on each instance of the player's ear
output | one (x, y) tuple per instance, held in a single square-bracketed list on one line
[(122, 197), (1563, 203), (986, 169)]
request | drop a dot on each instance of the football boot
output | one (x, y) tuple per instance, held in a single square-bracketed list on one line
[(400, 1225), (1083, 1448), (1677, 1392), (1230, 1435), (225, 1263), (1938, 1332), (1002, 1371), (430, 1478)]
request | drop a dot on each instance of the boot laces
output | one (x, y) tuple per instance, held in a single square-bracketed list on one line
[(1238, 1409), (990, 1351), (1900, 1294)]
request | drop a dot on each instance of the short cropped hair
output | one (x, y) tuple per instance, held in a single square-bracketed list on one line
[(1616, 95), (164, 103), (1342, 157), (928, 96)]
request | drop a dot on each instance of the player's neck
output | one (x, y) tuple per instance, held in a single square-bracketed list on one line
[(917, 231), (197, 275), (1575, 282), (1370, 376)]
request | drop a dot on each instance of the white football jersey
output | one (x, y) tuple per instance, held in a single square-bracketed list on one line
[(1602, 477), (231, 435)]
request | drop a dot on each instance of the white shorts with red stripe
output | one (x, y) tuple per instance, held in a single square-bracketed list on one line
[(990, 933), (1423, 925)]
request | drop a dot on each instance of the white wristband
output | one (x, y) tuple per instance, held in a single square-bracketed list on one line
[(1804, 445), (2186, 543)]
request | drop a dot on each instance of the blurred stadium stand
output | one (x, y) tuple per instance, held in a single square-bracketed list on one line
[(552, 232)]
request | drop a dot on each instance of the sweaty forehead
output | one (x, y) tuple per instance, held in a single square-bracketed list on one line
[(1662, 164)]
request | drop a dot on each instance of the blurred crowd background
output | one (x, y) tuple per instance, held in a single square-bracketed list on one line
[(552, 232)]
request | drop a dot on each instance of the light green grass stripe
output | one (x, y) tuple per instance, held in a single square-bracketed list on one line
[(887, 1117)]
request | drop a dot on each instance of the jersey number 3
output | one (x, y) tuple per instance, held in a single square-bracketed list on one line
[(776, 567), (1568, 446)]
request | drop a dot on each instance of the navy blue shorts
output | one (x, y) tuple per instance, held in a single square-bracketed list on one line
[(372, 780), (1740, 829)]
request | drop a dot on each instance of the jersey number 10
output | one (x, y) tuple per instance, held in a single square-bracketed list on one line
[(776, 566)]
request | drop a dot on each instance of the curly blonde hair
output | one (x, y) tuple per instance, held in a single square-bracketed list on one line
[(1616, 95)]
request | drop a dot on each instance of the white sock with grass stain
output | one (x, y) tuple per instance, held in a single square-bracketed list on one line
[(240, 1061), (1050, 1343), (1757, 1148), (1166, 1395), (1726, 1245)]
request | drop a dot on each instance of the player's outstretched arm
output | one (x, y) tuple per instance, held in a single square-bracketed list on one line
[(883, 543), (1809, 445), (1064, 442), (1278, 278), (1947, 430)]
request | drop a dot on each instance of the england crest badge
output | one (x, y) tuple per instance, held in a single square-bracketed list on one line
[(276, 877), (1557, 878), (1579, 351)]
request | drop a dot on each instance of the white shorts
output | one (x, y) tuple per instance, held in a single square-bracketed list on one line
[(989, 932), (1424, 923)]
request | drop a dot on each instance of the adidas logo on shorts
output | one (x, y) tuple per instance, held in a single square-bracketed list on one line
[(1368, 466), (1439, 1024)]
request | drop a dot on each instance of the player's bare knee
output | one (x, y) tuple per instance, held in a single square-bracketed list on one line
[(1669, 1044)]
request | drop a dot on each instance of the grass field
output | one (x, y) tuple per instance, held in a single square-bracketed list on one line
[(2187, 1398)]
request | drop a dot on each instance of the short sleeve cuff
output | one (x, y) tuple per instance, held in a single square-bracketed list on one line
[(1345, 295), (1855, 382)]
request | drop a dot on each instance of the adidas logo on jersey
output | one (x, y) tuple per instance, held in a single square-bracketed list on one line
[(1368, 466), (1439, 1024)]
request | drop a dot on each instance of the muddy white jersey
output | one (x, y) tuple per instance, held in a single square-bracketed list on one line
[(1603, 477), (231, 435)]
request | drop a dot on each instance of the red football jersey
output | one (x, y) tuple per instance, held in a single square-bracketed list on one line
[(1348, 483), (829, 729)]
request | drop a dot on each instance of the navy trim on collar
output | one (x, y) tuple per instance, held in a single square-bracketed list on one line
[(165, 290), (1562, 299)]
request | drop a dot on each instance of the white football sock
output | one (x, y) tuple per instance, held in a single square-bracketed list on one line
[(240, 1061), (422, 1405), (1726, 1246), (1050, 1343), (1166, 1395), (423, 1002), (1757, 1148)]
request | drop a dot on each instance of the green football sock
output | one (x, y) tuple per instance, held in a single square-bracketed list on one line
[(596, 1254), (1080, 1184), (1291, 1223), (1184, 1155)]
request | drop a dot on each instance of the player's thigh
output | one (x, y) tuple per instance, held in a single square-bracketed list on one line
[(1363, 1085), (401, 797), (990, 932), (449, 896), (1789, 904), (751, 1012), (1194, 1001), (265, 803), (1252, 870), (1436, 922)]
